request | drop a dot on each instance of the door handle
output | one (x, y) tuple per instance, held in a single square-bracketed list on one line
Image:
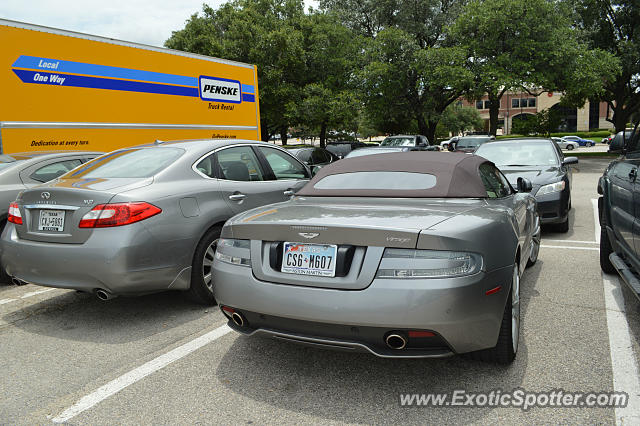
[(633, 174), (237, 197), (288, 192)]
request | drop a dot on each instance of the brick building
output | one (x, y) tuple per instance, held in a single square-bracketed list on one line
[(516, 105)]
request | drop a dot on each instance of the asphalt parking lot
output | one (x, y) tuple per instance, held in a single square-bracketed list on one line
[(68, 357)]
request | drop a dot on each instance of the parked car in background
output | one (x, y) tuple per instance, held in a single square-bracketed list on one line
[(415, 141), (378, 150), (470, 143), (542, 162), (619, 213), (579, 140), (566, 144), (143, 219), (444, 145), (394, 255), (620, 140), (314, 157), (342, 148), (608, 139)]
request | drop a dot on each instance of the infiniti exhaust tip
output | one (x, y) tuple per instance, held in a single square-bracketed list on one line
[(395, 341), (237, 319), (104, 295)]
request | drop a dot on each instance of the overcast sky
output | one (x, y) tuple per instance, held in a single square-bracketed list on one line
[(147, 22)]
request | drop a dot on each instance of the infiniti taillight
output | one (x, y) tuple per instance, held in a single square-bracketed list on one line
[(14, 214), (117, 214)]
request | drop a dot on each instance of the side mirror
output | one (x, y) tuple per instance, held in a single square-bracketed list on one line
[(314, 170), (569, 160), (524, 185)]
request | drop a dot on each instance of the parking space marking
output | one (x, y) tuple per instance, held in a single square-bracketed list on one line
[(596, 219), (569, 247), (33, 293), (570, 241), (623, 361), (3, 301), (139, 373)]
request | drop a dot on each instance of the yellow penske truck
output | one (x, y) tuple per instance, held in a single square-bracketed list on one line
[(63, 90)]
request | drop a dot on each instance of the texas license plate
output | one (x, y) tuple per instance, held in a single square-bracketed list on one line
[(309, 259), (51, 220)]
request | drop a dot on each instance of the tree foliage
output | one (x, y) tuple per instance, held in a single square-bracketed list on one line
[(525, 45), (614, 27), (458, 119)]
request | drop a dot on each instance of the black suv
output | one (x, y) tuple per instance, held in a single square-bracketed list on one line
[(619, 208)]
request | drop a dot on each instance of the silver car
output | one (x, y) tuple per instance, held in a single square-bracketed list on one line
[(143, 219), (566, 144), (415, 254)]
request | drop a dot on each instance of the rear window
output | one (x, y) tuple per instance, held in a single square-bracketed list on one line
[(402, 181), (129, 163)]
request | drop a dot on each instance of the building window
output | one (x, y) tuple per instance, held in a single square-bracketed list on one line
[(515, 103), (532, 102), (487, 104), (478, 104)]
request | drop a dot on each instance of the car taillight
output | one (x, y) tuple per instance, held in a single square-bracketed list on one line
[(14, 214), (117, 214)]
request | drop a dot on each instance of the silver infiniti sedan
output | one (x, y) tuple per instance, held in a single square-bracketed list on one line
[(143, 219), (415, 254)]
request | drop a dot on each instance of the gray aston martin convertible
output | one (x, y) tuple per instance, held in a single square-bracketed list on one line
[(413, 254)]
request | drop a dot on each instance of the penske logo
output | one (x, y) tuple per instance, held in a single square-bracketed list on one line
[(220, 90)]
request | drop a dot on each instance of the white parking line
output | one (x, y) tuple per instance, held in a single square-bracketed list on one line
[(570, 241), (569, 247), (596, 219), (3, 301), (33, 293), (141, 372), (623, 362)]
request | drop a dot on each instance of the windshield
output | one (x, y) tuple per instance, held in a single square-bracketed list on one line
[(128, 163), (396, 141), (470, 142), (519, 154)]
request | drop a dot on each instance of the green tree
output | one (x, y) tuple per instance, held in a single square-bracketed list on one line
[(266, 33), (458, 119), (525, 44), (411, 71), (614, 26), (328, 100)]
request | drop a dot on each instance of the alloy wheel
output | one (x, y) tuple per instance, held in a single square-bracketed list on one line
[(207, 265)]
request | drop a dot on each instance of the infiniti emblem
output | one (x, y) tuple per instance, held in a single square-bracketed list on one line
[(308, 235), (45, 195)]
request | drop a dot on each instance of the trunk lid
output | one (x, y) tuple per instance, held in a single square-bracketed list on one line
[(51, 212), (361, 228)]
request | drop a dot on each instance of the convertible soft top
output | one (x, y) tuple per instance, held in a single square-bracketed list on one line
[(456, 175)]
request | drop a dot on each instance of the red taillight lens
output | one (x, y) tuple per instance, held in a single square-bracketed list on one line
[(117, 214), (14, 214)]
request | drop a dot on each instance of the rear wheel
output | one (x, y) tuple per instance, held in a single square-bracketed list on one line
[(201, 290), (589, 144), (569, 147), (605, 251), (505, 350)]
